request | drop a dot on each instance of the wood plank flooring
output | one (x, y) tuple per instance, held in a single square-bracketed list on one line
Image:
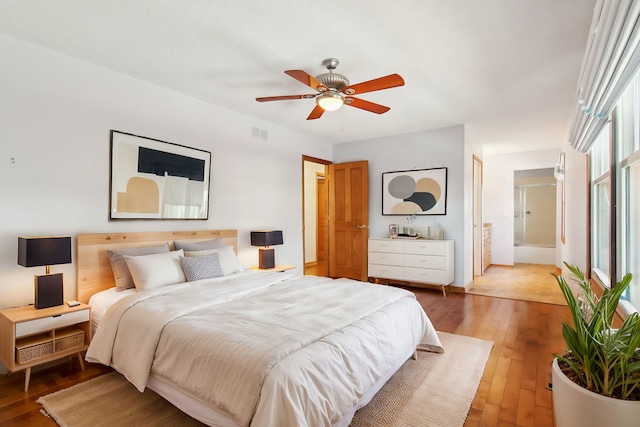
[(512, 391), (531, 282)]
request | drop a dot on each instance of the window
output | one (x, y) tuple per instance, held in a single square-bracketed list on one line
[(600, 205), (630, 223), (624, 142), (628, 168)]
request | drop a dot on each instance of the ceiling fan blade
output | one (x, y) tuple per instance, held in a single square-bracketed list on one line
[(392, 80), (366, 105), (306, 78), (316, 113), (285, 97)]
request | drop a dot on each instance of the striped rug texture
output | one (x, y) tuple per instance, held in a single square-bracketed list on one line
[(435, 390)]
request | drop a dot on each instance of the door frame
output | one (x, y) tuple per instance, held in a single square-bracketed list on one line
[(325, 163), (477, 217)]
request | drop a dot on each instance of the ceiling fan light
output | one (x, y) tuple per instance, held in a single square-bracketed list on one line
[(330, 101)]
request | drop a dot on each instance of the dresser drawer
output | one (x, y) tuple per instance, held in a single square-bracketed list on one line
[(425, 275), (386, 258), (425, 261), (426, 247), (35, 326), (386, 271), (386, 245)]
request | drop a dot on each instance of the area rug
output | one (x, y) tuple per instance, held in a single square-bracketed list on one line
[(434, 390)]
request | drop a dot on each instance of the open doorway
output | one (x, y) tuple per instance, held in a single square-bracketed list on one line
[(315, 217), (534, 207)]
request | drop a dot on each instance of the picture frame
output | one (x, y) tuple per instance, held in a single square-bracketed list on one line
[(154, 179), (415, 192), (394, 230)]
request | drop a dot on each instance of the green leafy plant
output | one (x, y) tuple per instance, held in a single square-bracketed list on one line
[(604, 360)]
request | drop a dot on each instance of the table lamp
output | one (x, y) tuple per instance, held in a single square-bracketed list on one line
[(266, 238), (47, 251)]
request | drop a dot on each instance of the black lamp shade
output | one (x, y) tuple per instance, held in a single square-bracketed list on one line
[(38, 251), (266, 238)]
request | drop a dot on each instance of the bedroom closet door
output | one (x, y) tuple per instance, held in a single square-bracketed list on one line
[(348, 219)]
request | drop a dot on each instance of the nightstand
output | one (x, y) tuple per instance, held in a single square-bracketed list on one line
[(30, 337), (279, 268)]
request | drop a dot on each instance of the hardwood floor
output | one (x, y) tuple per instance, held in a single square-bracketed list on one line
[(531, 282), (525, 334), (512, 392)]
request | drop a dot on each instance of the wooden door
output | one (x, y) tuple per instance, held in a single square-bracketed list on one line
[(348, 219), (322, 236)]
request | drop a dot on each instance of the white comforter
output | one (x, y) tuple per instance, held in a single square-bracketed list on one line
[(266, 348)]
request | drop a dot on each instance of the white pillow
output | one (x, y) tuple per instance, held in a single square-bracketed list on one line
[(229, 261), (154, 271)]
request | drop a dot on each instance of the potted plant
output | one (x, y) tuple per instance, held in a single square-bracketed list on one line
[(597, 381)]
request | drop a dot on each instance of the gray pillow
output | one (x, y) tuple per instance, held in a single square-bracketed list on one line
[(201, 267), (198, 246), (121, 272)]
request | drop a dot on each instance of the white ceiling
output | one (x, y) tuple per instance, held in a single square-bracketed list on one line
[(507, 69)]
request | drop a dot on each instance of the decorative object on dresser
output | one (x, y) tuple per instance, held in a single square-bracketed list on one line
[(30, 337), (415, 192), (266, 238), (45, 251), (415, 262), (153, 179)]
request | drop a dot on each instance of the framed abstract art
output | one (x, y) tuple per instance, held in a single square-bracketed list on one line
[(415, 192), (153, 179)]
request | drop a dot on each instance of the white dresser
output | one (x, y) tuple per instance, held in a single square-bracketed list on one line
[(413, 261)]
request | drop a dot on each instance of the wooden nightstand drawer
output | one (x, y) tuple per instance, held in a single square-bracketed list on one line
[(35, 326), (30, 337)]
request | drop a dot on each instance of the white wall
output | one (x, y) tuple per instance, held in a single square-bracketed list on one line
[(55, 116), (497, 199), (575, 250), (421, 150)]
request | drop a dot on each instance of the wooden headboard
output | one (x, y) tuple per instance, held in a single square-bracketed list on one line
[(94, 269)]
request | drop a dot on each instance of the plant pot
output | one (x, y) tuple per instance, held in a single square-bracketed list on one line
[(575, 406)]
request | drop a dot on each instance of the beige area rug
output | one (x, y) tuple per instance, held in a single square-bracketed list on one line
[(525, 282), (435, 390)]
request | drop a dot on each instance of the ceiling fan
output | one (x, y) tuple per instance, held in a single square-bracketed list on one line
[(334, 90)]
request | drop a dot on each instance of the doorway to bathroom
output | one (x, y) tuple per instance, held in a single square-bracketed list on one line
[(534, 227)]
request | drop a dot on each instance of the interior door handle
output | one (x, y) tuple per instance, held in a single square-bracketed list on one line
[(361, 226)]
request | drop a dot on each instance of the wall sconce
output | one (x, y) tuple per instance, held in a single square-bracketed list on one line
[(266, 238), (45, 251)]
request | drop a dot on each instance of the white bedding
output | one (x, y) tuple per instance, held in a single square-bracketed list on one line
[(326, 343)]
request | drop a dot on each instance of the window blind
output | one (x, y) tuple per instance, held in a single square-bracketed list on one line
[(611, 60)]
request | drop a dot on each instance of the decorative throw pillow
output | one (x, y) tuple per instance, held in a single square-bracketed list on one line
[(119, 267), (154, 271), (201, 267), (229, 262), (198, 246)]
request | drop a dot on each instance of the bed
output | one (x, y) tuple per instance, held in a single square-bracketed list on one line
[(244, 347)]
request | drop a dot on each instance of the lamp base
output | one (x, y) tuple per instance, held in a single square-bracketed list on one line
[(266, 258), (48, 290)]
